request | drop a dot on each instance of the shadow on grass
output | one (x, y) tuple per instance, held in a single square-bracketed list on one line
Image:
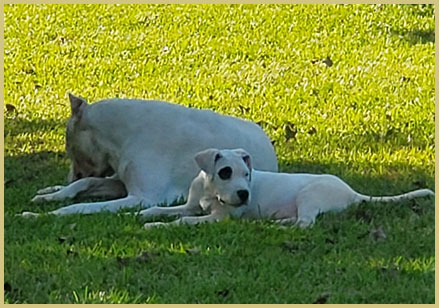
[(217, 263), (420, 37), (25, 174), (212, 263), (416, 36), (34, 168)]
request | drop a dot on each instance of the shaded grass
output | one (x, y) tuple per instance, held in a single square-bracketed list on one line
[(250, 261), (353, 98)]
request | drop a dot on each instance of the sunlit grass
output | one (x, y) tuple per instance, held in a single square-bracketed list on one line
[(422, 265)]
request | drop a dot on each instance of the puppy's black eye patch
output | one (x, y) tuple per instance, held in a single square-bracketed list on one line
[(217, 156), (225, 173)]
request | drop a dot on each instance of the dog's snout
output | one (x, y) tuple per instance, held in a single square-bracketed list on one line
[(243, 195)]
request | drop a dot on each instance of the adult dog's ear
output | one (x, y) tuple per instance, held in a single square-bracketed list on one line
[(78, 104), (245, 157), (206, 159)]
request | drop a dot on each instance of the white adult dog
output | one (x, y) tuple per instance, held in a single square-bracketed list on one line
[(147, 147), (228, 185)]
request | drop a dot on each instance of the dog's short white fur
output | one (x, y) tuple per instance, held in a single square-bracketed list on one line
[(141, 152), (227, 185)]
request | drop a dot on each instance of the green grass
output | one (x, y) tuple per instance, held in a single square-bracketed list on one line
[(366, 114)]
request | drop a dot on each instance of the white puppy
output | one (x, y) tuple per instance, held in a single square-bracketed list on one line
[(227, 185)]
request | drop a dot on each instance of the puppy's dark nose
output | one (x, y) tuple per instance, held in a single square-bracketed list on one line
[(243, 195)]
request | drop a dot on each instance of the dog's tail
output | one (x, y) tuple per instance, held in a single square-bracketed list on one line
[(396, 198)]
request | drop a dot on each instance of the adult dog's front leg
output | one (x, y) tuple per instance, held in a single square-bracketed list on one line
[(94, 207), (109, 188)]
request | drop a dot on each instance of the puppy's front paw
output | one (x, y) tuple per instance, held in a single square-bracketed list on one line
[(149, 225), (50, 189)]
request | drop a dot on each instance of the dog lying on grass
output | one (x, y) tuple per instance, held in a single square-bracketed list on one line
[(141, 152), (227, 185)]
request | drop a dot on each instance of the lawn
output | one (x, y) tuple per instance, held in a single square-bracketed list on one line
[(341, 89)]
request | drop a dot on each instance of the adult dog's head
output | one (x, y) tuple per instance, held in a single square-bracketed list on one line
[(81, 145), (229, 174)]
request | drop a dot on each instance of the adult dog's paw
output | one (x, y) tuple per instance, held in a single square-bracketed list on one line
[(50, 189), (40, 199), (28, 214)]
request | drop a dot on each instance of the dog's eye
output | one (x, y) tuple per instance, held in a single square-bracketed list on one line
[(225, 173), (246, 174)]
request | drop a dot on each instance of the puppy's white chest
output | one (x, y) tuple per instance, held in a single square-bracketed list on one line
[(207, 203)]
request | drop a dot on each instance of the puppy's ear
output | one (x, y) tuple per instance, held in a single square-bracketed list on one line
[(206, 160), (245, 157), (78, 104)]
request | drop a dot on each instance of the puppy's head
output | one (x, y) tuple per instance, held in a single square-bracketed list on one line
[(229, 174), (81, 146)]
